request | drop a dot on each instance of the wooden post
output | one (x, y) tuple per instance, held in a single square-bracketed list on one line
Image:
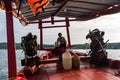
[(12, 69), (52, 20), (41, 34), (67, 30)]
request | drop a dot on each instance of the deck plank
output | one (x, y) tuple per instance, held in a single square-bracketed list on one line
[(82, 74), (86, 72), (41, 74)]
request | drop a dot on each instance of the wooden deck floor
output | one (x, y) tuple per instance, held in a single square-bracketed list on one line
[(51, 72), (81, 74)]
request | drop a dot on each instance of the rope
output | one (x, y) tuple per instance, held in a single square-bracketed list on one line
[(101, 46)]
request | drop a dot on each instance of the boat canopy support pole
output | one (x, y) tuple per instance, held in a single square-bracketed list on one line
[(52, 20), (12, 69), (41, 34), (67, 30)]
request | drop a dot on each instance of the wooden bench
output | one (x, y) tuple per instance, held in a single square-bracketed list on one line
[(47, 61), (56, 60)]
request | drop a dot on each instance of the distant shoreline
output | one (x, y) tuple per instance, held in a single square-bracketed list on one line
[(76, 46)]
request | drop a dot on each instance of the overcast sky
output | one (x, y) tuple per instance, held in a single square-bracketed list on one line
[(109, 24)]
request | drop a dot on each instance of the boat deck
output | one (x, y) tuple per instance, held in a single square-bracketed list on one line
[(85, 72)]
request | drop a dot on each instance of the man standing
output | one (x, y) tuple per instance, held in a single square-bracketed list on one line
[(61, 40)]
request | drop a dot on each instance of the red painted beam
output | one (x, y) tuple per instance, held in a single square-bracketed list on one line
[(54, 26), (67, 30), (54, 21), (41, 34), (12, 68)]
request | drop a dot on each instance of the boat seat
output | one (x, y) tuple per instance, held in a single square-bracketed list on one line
[(56, 60), (47, 61)]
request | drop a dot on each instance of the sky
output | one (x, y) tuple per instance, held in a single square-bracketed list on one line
[(110, 24)]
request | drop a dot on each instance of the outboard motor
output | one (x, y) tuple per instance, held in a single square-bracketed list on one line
[(98, 54), (29, 45)]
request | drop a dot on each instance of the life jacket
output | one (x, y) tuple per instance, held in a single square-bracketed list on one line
[(37, 5), (2, 6)]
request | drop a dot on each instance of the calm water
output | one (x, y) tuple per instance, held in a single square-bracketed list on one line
[(114, 54)]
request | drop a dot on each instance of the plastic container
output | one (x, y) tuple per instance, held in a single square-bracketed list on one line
[(67, 60), (75, 61)]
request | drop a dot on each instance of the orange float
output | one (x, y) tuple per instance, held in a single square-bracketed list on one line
[(37, 5), (20, 78)]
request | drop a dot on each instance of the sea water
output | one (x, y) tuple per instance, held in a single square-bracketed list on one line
[(112, 53)]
